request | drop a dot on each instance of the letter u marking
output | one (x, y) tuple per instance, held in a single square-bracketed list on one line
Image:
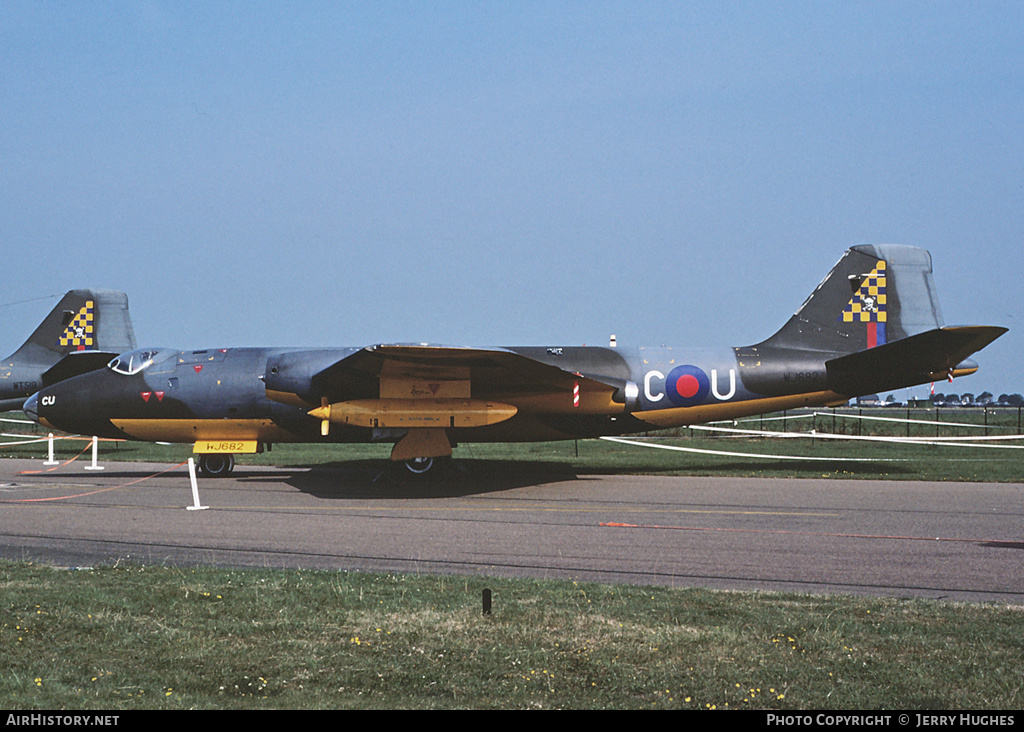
[(732, 385)]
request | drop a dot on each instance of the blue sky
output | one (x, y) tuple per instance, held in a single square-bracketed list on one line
[(489, 173)]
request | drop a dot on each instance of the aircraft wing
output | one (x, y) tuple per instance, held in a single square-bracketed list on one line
[(452, 379), (414, 371)]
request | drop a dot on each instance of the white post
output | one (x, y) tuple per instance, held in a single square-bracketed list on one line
[(49, 459), (94, 466), (195, 488)]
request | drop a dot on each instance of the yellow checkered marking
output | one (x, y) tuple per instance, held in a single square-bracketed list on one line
[(79, 332), (868, 303)]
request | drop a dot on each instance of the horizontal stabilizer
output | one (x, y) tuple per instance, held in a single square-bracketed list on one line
[(914, 360)]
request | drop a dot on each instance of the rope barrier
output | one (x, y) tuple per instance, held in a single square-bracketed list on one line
[(943, 441), (27, 441), (55, 467), (727, 453), (92, 493), (975, 441)]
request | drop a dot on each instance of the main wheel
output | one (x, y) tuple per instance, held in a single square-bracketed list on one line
[(419, 466), (216, 465)]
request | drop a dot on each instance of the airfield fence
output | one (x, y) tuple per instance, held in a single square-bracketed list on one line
[(942, 422)]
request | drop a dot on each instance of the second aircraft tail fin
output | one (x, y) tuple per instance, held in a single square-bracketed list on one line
[(83, 321)]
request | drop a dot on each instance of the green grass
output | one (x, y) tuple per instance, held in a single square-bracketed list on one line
[(130, 637)]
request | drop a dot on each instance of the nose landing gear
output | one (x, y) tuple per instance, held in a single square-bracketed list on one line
[(216, 465)]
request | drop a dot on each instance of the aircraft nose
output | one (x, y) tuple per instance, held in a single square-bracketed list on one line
[(31, 407)]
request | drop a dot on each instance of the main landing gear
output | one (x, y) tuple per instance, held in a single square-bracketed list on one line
[(432, 442), (420, 466), (216, 465)]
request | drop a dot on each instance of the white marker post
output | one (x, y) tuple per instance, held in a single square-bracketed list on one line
[(195, 488), (49, 459), (94, 466)]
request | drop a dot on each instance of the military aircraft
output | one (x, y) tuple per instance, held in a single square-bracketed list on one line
[(82, 333), (873, 324)]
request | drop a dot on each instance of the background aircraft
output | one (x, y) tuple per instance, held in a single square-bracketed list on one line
[(82, 333), (873, 324)]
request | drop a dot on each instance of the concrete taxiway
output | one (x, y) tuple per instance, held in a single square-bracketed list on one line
[(951, 541)]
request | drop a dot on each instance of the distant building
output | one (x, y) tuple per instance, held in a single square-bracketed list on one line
[(869, 400)]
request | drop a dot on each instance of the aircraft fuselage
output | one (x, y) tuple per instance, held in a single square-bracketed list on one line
[(187, 396), (17, 383)]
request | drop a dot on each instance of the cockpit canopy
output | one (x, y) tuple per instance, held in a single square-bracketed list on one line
[(138, 360)]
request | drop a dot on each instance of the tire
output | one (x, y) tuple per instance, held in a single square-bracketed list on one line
[(420, 466), (216, 465)]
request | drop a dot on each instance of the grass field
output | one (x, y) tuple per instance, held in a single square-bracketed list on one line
[(132, 637), (145, 637)]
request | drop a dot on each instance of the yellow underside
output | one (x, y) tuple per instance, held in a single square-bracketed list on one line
[(955, 373), (682, 416), (194, 430)]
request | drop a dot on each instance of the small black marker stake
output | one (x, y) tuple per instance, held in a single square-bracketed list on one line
[(487, 602)]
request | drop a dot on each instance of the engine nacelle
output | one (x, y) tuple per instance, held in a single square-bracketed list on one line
[(301, 378)]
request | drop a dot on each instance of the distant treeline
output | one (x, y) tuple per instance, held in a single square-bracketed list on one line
[(985, 399)]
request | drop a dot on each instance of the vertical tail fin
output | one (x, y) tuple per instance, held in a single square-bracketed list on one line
[(83, 320), (876, 294)]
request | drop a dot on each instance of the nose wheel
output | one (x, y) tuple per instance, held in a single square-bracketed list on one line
[(216, 465)]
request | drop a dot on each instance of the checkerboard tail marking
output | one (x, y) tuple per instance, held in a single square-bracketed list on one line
[(80, 333), (868, 305)]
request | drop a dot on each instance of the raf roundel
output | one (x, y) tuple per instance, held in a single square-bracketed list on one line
[(687, 386)]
